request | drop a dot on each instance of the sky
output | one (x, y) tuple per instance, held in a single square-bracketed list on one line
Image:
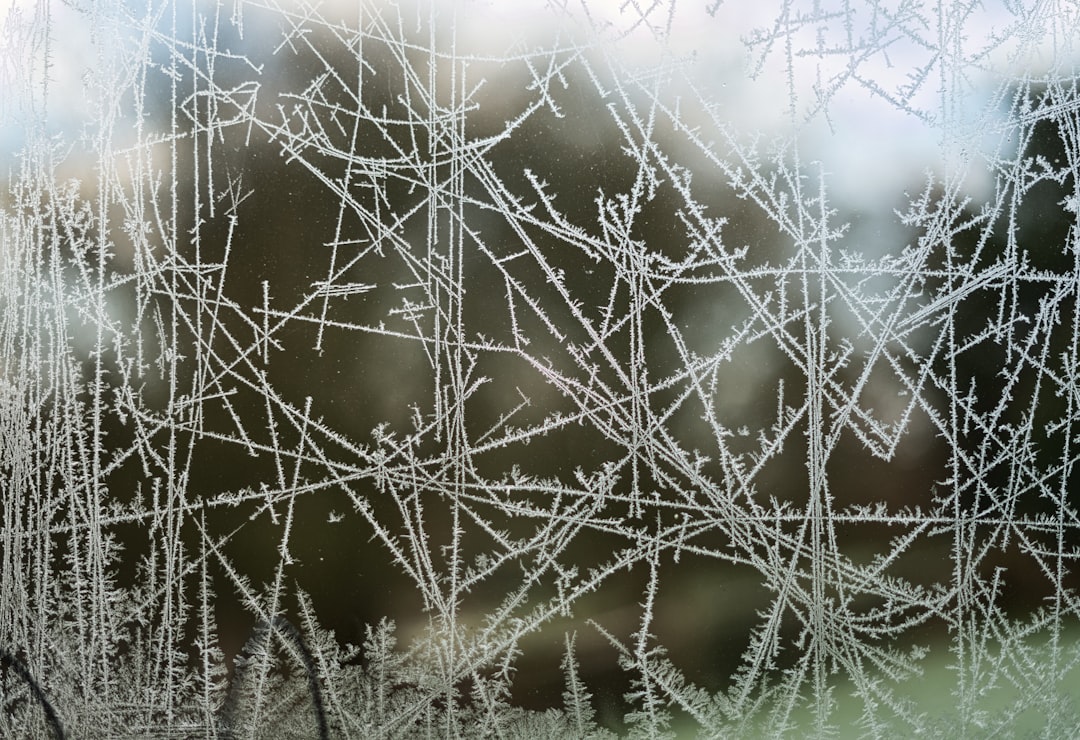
[(869, 147)]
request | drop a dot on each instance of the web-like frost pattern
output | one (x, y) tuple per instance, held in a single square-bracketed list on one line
[(534, 332)]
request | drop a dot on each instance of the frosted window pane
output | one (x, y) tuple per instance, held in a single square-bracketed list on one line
[(508, 369)]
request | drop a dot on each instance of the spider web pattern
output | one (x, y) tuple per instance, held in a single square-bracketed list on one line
[(523, 320)]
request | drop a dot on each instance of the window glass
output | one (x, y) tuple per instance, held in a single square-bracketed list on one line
[(464, 368)]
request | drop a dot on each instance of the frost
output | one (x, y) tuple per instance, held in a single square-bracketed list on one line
[(466, 369)]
